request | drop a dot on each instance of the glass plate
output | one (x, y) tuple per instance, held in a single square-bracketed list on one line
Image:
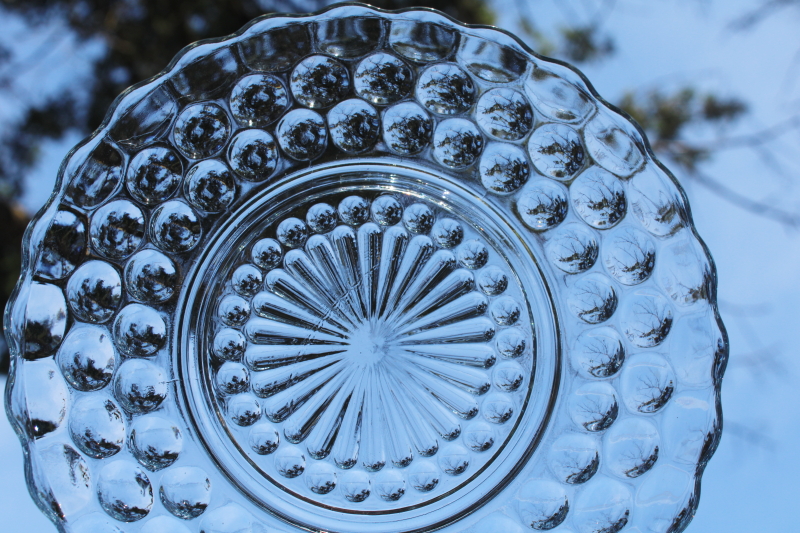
[(362, 271)]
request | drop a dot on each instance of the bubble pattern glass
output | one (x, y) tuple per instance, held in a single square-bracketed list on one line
[(362, 271)]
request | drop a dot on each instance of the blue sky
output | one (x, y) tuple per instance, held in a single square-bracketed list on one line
[(750, 484)]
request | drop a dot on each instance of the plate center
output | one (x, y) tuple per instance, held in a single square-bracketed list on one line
[(369, 349)]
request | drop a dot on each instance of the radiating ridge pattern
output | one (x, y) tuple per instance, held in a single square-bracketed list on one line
[(291, 283), (369, 343)]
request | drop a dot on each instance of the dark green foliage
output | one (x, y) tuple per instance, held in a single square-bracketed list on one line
[(716, 109), (13, 222), (666, 117), (5, 54), (584, 44), (20, 150)]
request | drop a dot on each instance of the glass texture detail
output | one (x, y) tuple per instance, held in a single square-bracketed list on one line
[(361, 271)]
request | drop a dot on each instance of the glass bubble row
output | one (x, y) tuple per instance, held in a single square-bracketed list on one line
[(91, 330)]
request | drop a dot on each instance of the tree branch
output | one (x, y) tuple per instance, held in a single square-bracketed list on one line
[(757, 138), (754, 17), (787, 218), (34, 59)]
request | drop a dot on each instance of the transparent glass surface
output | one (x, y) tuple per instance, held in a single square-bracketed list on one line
[(362, 271)]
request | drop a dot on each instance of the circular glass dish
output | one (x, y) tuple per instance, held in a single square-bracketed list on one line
[(362, 271)]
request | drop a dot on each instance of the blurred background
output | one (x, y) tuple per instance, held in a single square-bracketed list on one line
[(715, 84)]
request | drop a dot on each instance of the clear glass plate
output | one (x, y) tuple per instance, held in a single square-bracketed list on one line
[(362, 271)]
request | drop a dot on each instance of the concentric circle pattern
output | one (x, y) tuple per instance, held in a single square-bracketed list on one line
[(365, 354), (365, 272)]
